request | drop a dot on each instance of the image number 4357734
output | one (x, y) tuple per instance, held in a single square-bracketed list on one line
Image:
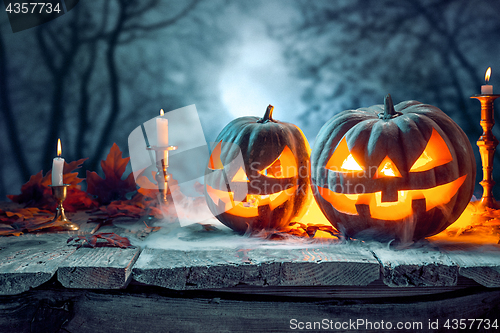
[(25, 15)]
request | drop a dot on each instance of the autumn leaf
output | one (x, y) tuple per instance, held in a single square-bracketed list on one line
[(37, 192), (133, 208), (112, 187), (70, 177), (17, 221), (109, 238), (301, 230), (150, 190), (147, 188)]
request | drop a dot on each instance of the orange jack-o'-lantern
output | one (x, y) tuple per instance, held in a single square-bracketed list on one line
[(257, 177), (392, 172)]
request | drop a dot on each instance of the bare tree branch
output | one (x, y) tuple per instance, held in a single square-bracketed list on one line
[(7, 113)]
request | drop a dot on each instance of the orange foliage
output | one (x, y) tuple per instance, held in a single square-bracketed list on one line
[(17, 221), (112, 187), (37, 193)]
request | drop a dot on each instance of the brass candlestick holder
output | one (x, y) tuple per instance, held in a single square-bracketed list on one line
[(162, 176), (60, 192), (487, 144)]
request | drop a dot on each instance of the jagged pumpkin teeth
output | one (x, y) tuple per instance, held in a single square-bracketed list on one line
[(376, 169), (266, 188)]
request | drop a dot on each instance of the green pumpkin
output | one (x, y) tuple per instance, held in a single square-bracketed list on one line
[(385, 172), (257, 177)]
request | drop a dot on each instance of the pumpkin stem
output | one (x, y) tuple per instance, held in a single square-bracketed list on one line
[(268, 116), (389, 111)]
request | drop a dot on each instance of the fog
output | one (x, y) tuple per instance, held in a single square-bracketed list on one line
[(91, 76)]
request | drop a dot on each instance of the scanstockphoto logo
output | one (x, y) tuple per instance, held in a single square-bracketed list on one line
[(228, 185), (28, 14), (186, 164)]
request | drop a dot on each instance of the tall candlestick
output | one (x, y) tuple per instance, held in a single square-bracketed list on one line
[(487, 143), (57, 167), (162, 130), (487, 89)]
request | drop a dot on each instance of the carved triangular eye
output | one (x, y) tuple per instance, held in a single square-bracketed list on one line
[(436, 153), (215, 163), (284, 166), (240, 176), (342, 160), (387, 169)]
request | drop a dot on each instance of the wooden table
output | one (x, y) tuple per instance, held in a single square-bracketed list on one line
[(48, 285)]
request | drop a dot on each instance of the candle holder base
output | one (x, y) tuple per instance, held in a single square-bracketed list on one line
[(487, 203), (60, 192)]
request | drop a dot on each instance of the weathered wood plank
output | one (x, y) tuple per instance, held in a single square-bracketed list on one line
[(375, 290), (98, 268), (72, 310), (180, 270), (340, 265), (423, 267), (29, 260), (335, 265), (476, 262)]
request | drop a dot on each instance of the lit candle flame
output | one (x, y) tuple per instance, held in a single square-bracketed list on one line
[(162, 113), (487, 75), (59, 149)]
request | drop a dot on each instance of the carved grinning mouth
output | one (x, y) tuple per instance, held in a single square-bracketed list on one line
[(249, 205), (397, 210)]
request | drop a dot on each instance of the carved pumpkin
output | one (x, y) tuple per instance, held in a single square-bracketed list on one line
[(386, 172), (268, 184)]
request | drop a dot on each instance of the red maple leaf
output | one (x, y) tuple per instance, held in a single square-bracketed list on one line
[(112, 187), (71, 177), (37, 192)]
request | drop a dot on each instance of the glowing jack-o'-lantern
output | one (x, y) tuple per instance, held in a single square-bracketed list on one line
[(403, 172), (257, 177)]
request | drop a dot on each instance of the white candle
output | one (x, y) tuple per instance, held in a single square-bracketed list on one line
[(162, 130), (487, 89), (57, 167)]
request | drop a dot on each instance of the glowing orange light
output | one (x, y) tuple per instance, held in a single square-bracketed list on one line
[(436, 153), (215, 162), (162, 113), (350, 164), (283, 167), (240, 176), (342, 155), (471, 227), (487, 75), (59, 149), (387, 169), (346, 203)]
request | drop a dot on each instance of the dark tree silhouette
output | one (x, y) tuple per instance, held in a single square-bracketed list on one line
[(96, 66), (127, 23), (8, 115), (354, 52)]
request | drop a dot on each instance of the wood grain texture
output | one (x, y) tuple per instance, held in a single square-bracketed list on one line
[(336, 265), (416, 267), (479, 263), (375, 290), (98, 268), (30, 260), (73, 310)]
